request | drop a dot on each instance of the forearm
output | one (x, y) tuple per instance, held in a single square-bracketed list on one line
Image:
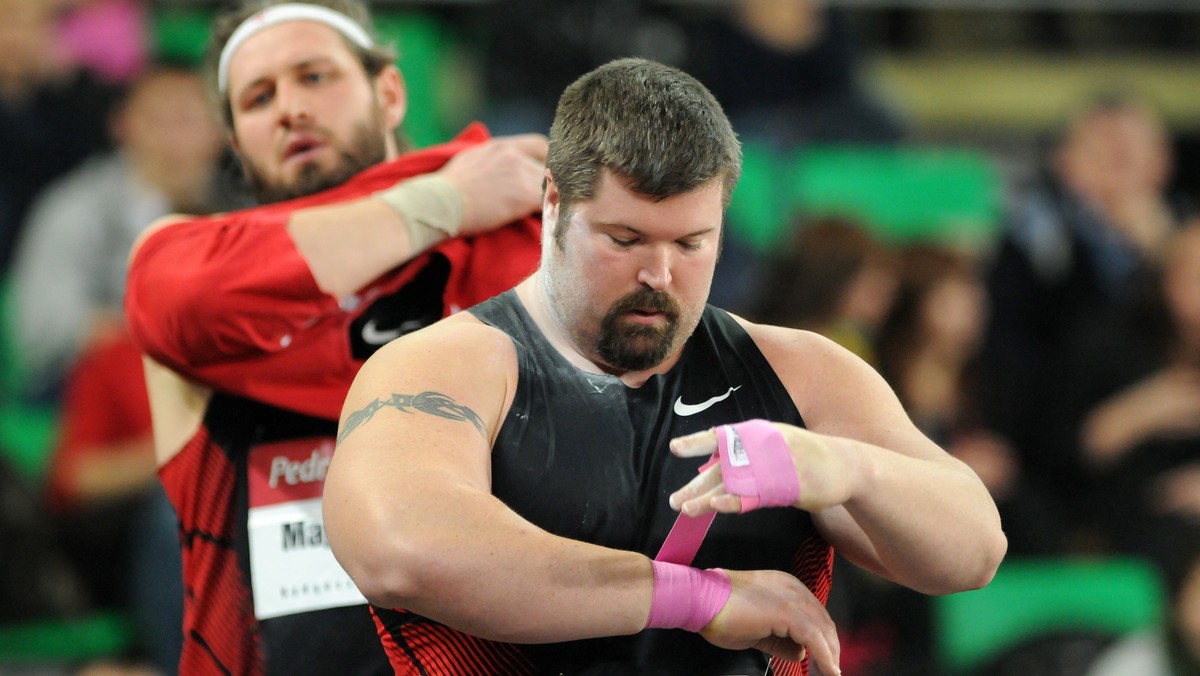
[(212, 290), (928, 524), (345, 259), (1112, 429), (463, 558)]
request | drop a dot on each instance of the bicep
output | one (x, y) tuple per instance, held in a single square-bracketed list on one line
[(418, 404), (422, 412), (413, 453)]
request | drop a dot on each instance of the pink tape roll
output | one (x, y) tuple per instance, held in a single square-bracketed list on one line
[(756, 465), (685, 597)]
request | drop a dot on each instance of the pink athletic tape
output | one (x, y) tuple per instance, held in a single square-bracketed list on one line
[(685, 538), (687, 534), (685, 597), (756, 465)]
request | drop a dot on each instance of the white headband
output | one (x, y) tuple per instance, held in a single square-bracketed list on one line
[(278, 14)]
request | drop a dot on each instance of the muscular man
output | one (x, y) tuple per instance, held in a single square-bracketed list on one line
[(255, 322), (503, 476)]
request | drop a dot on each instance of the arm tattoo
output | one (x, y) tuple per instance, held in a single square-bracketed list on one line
[(433, 403)]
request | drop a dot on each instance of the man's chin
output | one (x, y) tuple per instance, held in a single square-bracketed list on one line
[(311, 179), (636, 353), (640, 361)]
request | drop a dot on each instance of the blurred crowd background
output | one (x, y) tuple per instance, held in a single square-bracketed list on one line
[(994, 202)]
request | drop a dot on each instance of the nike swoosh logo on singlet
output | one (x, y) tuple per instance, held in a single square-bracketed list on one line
[(683, 409), (374, 336)]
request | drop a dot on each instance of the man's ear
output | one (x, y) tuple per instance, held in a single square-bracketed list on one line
[(550, 198), (392, 96)]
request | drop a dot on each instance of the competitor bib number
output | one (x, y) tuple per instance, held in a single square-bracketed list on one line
[(292, 569)]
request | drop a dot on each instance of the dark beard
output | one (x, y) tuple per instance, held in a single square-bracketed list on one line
[(636, 347), (367, 149)]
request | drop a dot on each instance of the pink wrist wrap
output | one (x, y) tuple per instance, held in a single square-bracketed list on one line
[(685, 597), (756, 465)]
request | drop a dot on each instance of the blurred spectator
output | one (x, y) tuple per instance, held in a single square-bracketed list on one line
[(1139, 430), (69, 272), (1074, 250), (929, 352), (68, 285), (836, 280), (52, 113), (103, 462), (115, 523), (787, 72), (1173, 648)]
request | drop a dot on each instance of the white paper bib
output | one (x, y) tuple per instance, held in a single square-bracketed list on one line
[(292, 569)]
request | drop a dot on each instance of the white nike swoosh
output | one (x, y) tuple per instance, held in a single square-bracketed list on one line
[(683, 409), (373, 336)]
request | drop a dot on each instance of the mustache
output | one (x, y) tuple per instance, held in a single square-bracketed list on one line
[(647, 299)]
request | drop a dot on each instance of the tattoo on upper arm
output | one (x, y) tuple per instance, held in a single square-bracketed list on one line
[(433, 403)]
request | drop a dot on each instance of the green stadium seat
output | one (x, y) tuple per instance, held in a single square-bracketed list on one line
[(64, 641), (907, 193), (27, 430), (755, 213), (423, 46), (901, 193), (180, 33), (1032, 597)]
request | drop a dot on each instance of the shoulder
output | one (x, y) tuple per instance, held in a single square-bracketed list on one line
[(829, 384), (458, 362), (797, 351), (800, 356), (457, 349), (155, 228), (461, 334)]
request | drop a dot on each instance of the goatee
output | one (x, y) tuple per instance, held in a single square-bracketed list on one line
[(636, 347)]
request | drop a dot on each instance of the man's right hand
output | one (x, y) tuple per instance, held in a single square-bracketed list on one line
[(774, 612), (500, 180)]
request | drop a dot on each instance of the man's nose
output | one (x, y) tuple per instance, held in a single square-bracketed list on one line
[(655, 270), (292, 104)]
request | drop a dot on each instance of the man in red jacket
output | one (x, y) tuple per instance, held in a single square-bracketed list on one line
[(255, 322)]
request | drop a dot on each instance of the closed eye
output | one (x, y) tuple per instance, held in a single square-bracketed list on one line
[(624, 243), (257, 98)]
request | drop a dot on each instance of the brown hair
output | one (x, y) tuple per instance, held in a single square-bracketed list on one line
[(646, 122), (923, 268), (805, 288)]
